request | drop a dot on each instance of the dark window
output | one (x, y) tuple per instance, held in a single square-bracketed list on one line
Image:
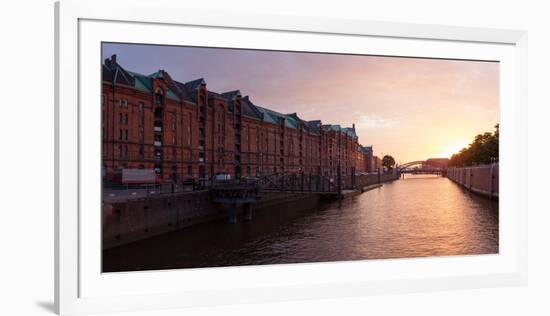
[(159, 97), (141, 152)]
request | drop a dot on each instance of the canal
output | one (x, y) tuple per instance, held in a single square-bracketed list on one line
[(415, 217)]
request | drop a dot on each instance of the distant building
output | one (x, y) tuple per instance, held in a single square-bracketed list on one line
[(441, 163), (183, 130), (377, 164)]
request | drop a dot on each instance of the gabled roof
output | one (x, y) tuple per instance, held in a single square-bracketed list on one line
[(350, 132), (142, 83), (192, 87), (212, 94), (267, 115), (231, 95), (365, 149), (332, 127), (114, 73), (292, 120), (194, 84), (274, 117), (158, 74), (337, 128), (173, 91), (314, 126), (181, 90), (250, 110), (305, 124)]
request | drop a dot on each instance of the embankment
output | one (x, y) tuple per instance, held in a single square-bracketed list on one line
[(371, 179), (482, 179), (136, 219)]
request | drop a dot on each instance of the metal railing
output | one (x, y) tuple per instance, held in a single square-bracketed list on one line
[(123, 192), (288, 182)]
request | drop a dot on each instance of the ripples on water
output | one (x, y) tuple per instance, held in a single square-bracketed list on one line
[(416, 217)]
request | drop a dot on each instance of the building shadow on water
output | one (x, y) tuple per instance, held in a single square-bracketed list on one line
[(214, 244)]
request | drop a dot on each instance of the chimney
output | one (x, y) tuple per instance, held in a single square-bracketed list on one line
[(110, 62), (353, 126)]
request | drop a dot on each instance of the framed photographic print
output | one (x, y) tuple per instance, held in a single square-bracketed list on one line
[(219, 157)]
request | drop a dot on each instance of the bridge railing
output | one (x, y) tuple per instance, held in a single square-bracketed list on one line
[(235, 190), (299, 182)]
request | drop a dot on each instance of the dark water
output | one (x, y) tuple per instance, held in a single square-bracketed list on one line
[(416, 217)]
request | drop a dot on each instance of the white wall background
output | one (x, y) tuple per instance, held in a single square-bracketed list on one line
[(26, 123)]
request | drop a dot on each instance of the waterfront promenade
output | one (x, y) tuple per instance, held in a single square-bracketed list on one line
[(130, 215)]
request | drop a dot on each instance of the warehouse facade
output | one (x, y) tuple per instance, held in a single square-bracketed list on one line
[(183, 130)]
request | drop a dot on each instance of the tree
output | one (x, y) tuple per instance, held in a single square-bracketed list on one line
[(483, 150), (388, 162)]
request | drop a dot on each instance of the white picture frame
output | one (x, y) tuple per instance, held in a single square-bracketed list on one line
[(81, 288)]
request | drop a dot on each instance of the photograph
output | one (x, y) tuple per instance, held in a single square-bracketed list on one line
[(223, 157)]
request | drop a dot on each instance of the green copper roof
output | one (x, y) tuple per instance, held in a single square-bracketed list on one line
[(143, 83), (172, 95), (273, 117), (158, 74), (291, 122), (268, 117), (337, 128)]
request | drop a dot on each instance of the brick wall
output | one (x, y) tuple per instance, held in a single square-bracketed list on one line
[(183, 139)]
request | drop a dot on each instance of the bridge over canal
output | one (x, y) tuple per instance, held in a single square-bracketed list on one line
[(436, 166)]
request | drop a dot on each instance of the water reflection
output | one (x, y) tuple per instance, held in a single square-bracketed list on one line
[(415, 217)]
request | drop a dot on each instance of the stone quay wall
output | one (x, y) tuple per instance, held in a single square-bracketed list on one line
[(478, 179), (370, 179), (131, 220)]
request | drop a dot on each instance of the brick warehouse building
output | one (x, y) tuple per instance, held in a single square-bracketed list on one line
[(182, 130)]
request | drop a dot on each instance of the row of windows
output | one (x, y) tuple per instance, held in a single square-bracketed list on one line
[(123, 119)]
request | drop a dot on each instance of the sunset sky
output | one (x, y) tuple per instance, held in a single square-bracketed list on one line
[(411, 108)]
